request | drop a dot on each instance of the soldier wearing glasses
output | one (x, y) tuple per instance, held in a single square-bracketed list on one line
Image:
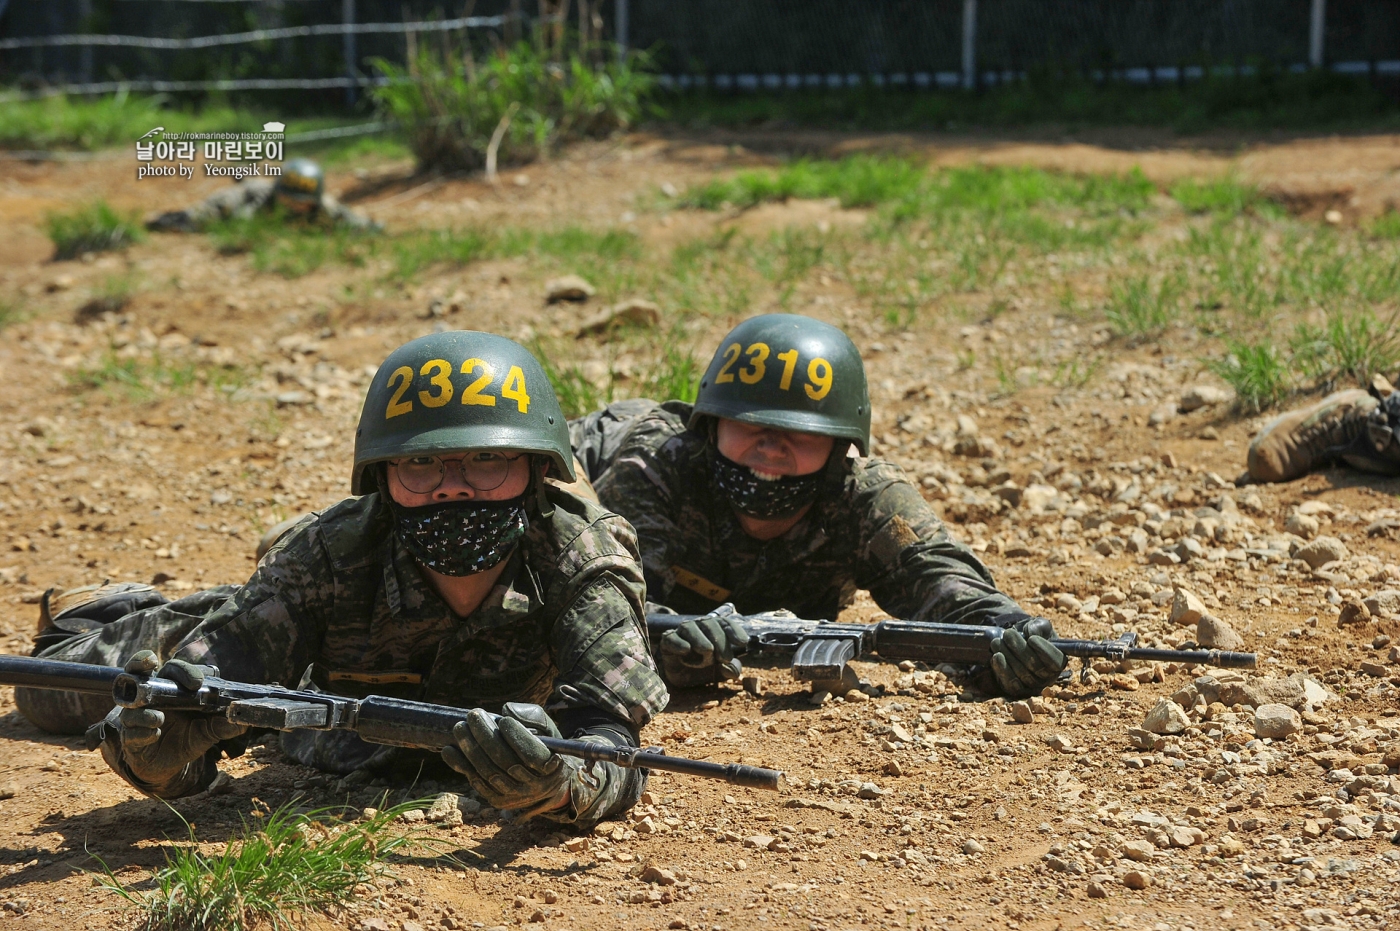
[(462, 574)]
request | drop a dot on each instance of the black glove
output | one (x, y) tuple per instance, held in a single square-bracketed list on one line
[(163, 753), (702, 650), (1024, 661), (506, 764)]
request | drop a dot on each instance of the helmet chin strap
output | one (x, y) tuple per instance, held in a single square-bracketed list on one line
[(539, 466)]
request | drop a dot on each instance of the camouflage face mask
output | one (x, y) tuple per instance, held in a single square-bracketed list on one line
[(461, 537), (762, 498)]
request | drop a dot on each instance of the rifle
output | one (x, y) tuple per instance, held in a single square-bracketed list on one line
[(820, 650), (377, 719)]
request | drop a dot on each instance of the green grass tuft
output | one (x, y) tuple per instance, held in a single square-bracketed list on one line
[(1221, 197), (1385, 226), (1349, 345), (142, 378), (95, 228), (1137, 311), (1256, 371), (292, 865)]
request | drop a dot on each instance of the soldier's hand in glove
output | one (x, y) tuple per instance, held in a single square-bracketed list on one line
[(1024, 661), (702, 650), (154, 749), (506, 764)]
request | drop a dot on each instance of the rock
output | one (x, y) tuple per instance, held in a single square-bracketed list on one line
[(445, 809), (1187, 609), (1371, 668), (1199, 396), (1214, 634), (1166, 717), (409, 925), (655, 874), (1321, 551), (869, 790), (1021, 712), (1096, 891), (1353, 612), (753, 685), (1276, 721), (760, 841), (1141, 739), (1302, 525), (1060, 743), (1139, 851), (293, 398), (1384, 602), (1136, 879), (374, 924), (1069, 603), (972, 847), (412, 816), (635, 312), (892, 768), (8, 791), (568, 288), (1185, 836), (1036, 498)]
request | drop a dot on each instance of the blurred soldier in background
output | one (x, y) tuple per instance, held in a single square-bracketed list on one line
[(300, 191)]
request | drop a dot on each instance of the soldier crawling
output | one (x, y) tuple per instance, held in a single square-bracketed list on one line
[(463, 575), (755, 495), (300, 191)]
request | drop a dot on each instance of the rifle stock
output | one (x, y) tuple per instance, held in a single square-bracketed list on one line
[(377, 719)]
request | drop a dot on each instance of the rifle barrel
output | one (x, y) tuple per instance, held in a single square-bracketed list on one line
[(1115, 650), (34, 672), (755, 777)]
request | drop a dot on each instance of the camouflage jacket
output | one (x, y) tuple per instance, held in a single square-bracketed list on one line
[(869, 529), (243, 200), (340, 596)]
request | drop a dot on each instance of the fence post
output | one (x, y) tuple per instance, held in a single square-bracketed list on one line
[(621, 28), (969, 44), (347, 47), (1316, 32), (85, 53)]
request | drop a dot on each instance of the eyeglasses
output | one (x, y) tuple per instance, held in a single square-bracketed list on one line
[(483, 471)]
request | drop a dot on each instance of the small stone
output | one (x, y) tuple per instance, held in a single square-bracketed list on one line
[(1136, 879), (8, 791), (407, 925), (568, 288), (1060, 743), (412, 816), (1141, 739), (857, 696), (1139, 851), (1214, 634), (972, 848), (1021, 712), (760, 841), (1371, 668), (1302, 525), (1185, 836), (635, 312), (1353, 612), (1276, 721), (869, 790), (1069, 603), (1321, 551), (443, 807), (892, 768), (1199, 396), (1187, 609), (294, 398), (1096, 891), (374, 924), (753, 685), (1384, 603), (1166, 717), (655, 874)]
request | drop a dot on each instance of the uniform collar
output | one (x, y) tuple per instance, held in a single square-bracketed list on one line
[(409, 595)]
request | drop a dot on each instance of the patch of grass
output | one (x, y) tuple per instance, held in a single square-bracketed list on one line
[(674, 375), (857, 181), (1385, 226), (285, 245), (1222, 197), (414, 252), (141, 378), (1138, 311), (671, 372), (577, 394), (94, 228), (112, 296), (1077, 372), (1256, 371), (10, 312), (293, 865), (1353, 345)]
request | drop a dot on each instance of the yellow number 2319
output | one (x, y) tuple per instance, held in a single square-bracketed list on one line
[(818, 383)]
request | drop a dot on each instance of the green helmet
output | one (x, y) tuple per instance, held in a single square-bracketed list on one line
[(789, 372), (454, 391), (301, 179)]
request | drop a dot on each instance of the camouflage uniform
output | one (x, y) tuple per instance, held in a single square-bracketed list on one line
[(869, 528), (340, 605), (244, 200)]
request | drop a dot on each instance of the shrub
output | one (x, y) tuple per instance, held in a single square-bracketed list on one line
[(94, 228), (449, 105)]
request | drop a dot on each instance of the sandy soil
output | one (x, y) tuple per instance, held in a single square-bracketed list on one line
[(908, 809)]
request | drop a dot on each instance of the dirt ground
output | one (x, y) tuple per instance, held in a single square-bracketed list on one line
[(906, 809)]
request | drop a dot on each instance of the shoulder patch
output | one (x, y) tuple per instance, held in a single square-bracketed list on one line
[(893, 539)]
